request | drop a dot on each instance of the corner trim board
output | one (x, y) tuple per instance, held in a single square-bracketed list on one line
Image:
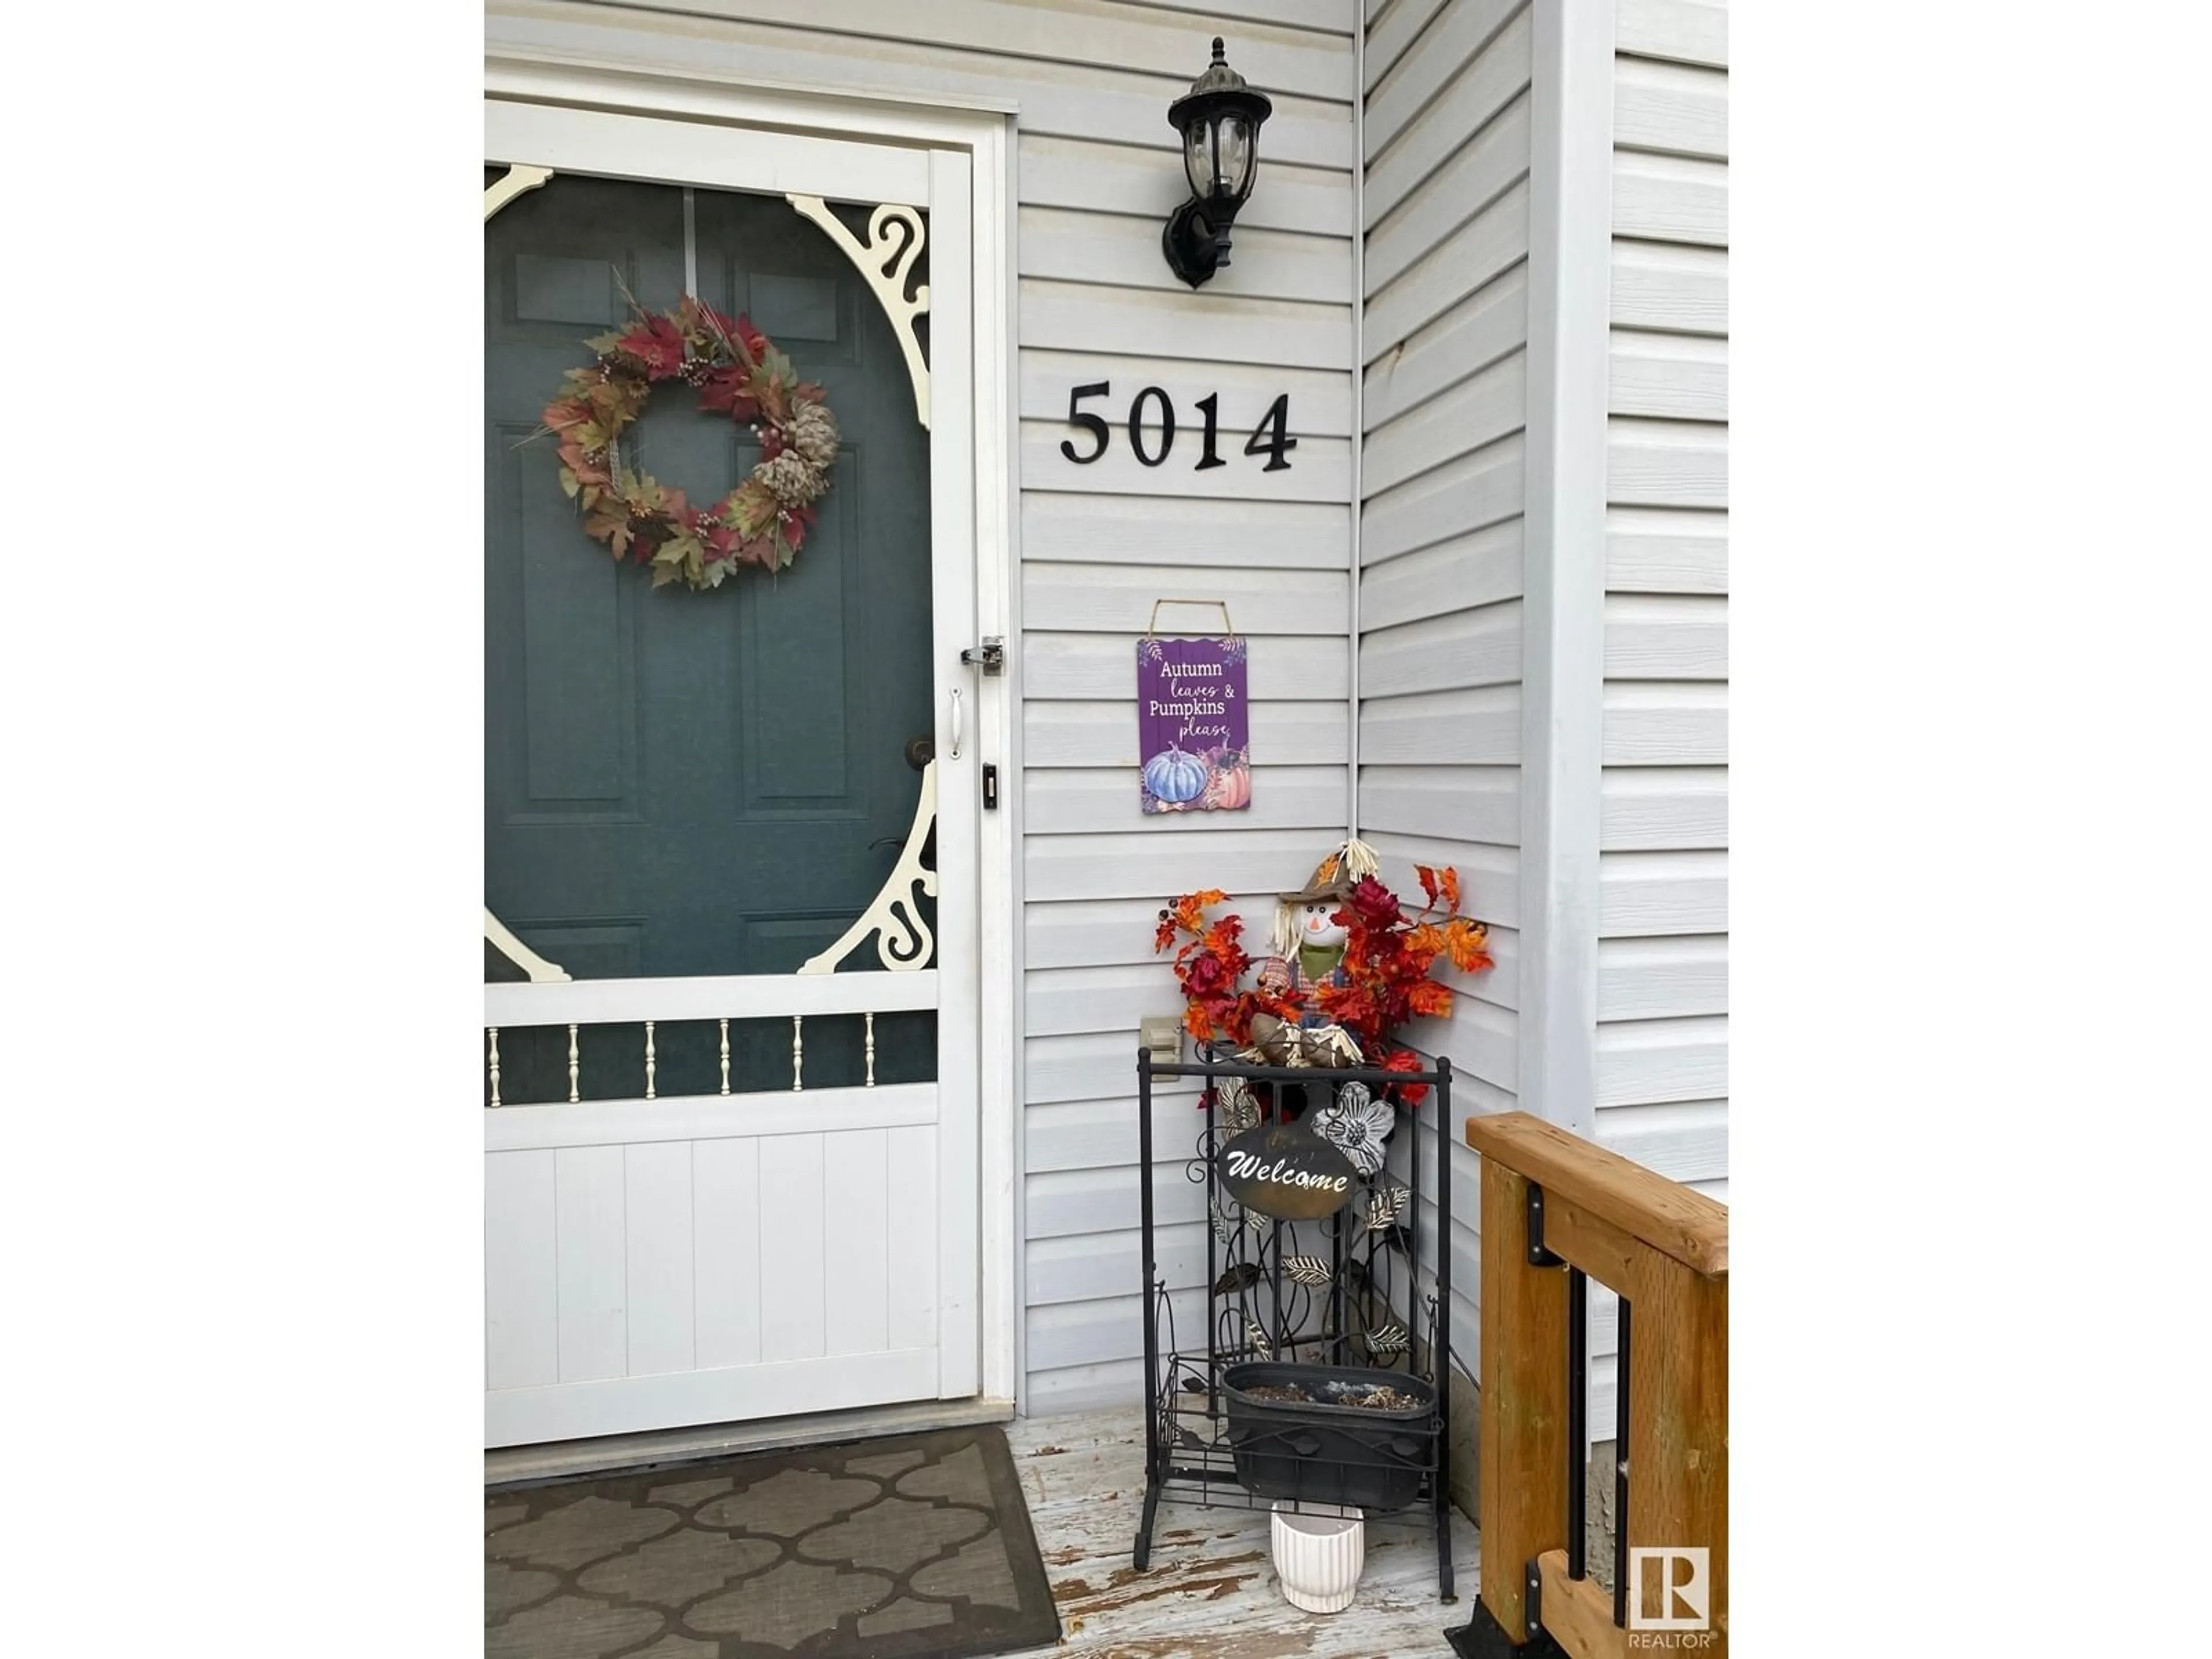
[(1563, 711)]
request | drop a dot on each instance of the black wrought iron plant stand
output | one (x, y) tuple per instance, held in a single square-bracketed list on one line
[(1343, 1291)]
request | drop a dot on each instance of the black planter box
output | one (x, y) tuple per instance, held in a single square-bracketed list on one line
[(1321, 1453)]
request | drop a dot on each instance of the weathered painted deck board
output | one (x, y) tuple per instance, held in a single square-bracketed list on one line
[(1210, 1588)]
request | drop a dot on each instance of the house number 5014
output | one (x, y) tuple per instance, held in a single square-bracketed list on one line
[(1270, 438)]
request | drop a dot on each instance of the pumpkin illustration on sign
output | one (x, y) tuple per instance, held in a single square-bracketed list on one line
[(1228, 780), (1174, 777), (1193, 729)]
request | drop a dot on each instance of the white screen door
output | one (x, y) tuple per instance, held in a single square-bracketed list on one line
[(731, 915)]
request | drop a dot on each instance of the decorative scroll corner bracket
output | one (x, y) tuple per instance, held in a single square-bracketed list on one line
[(886, 270), (514, 182), (502, 938), (904, 942)]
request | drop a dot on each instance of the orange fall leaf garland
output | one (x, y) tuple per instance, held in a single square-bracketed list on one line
[(1384, 980)]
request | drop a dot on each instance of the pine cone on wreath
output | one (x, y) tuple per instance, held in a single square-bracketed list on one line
[(813, 431), (791, 480)]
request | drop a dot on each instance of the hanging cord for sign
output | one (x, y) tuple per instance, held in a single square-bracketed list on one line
[(1228, 628)]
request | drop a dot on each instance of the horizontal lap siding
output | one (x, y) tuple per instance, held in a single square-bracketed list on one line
[(1101, 543), (1661, 1058), (1098, 172), (1443, 367)]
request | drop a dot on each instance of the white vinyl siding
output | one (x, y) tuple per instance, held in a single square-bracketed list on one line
[(1098, 172), (1662, 1061), (1444, 395)]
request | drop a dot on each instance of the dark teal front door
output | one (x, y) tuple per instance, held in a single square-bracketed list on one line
[(682, 783)]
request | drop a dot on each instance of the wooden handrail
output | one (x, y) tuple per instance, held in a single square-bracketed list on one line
[(1654, 1210), (1554, 1203)]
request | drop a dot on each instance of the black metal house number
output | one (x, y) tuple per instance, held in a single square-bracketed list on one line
[(1270, 438)]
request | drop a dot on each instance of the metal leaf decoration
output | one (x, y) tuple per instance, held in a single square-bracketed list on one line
[(1387, 1340), (1307, 1270), (1185, 1437), (1225, 1225), (1235, 1108), (1387, 1206), (1237, 1278), (1258, 1223)]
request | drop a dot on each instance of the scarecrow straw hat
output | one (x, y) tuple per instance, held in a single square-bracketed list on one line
[(1335, 876)]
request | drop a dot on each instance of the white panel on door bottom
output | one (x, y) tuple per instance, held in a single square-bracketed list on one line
[(910, 1214), (790, 1227), (856, 1239), (520, 1316), (591, 1253), (726, 1257), (658, 1207)]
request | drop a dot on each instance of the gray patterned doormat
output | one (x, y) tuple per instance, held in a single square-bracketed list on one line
[(916, 1548)]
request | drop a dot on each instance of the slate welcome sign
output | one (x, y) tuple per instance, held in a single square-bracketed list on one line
[(1287, 1171)]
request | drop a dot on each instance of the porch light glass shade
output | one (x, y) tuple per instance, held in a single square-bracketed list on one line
[(1217, 159)]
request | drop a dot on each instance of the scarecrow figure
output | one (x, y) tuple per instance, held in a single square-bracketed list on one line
[(1309, 943)]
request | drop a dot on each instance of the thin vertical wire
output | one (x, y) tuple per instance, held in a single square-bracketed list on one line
[(726, 1056), (494, 1032), (798, 1052), (572, 1062), (649, 1060), (872, 1052)]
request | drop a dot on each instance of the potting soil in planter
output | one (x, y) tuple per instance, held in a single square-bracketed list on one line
[(1330, 1434)]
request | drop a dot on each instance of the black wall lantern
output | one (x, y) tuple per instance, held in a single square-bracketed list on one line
[(1219, 118)]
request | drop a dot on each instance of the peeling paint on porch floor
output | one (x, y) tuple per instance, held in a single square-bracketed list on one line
[(1210, 1592)]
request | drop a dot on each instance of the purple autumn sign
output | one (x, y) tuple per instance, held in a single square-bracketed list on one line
[(1193, 724)]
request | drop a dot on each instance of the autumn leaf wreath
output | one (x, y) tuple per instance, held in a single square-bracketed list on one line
[(739, 374)]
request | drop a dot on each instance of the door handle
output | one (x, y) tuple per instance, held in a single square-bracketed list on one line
[(955, 723)]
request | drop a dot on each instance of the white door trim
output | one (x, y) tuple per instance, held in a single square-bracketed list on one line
[(983, 139)]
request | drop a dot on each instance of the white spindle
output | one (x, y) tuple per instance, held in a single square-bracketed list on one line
[(726, 1056), (649, 1060), (572, 1063), (872, 1052), (493, 1031), (798, 1052)]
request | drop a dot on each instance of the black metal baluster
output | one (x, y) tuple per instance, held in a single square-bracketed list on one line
[(1578, 1418), (1440, 1330), (1153, 1386), (1622, 1351)]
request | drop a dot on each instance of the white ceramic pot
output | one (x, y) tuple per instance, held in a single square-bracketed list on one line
[(1319, 1555)]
